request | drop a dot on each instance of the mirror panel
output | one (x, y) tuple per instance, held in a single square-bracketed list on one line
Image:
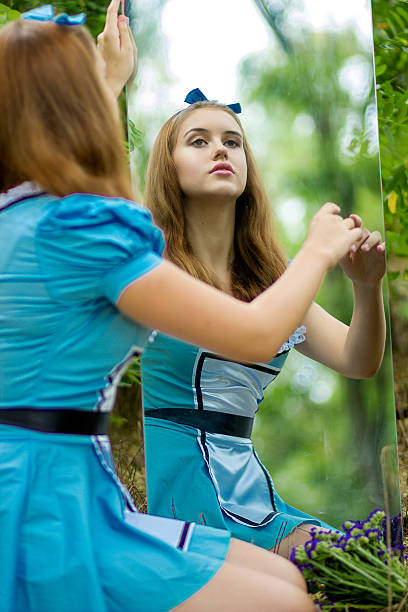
[(303, 73)]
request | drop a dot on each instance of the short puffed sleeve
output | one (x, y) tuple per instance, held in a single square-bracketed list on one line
[(91, 247)]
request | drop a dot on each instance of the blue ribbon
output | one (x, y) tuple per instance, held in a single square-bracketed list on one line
[(47, 13), (196, 95)]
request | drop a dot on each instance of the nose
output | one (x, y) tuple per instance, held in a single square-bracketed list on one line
[(220, 150)]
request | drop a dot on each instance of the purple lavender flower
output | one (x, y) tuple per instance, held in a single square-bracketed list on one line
[(350, 568), (373, 514), (311, 547), (395, 525), (373, 534)]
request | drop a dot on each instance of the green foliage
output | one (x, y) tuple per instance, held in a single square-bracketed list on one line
[(391, 61), (132, 375), (94, 10), (308, 83), (147, 118), (7, 14), (135, 136)]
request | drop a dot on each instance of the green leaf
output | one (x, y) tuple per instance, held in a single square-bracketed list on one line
[(136, 137), (7, 14), (397, 19), (379, 70)]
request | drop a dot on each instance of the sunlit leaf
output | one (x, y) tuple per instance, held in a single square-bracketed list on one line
[(392, 202)]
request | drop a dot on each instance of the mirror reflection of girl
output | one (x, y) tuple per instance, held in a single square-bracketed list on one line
[(82, 283), (205, 192)]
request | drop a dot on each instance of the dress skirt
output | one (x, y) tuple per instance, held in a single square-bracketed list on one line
[(71, 541), (227, 488)]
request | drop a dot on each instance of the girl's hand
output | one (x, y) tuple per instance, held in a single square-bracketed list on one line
[(330, 236), (117, 47), (364, 264)]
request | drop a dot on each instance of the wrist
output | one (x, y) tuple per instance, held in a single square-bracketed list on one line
[(317, 257), (367, 286), (367, 294), (115, 86)]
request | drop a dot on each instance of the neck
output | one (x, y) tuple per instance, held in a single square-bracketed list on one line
[(210, 231)]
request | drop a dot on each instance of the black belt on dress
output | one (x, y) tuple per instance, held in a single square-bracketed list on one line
[(65, 421), (207, 420)]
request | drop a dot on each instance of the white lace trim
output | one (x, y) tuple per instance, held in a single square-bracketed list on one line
[(298, 336), (20, 191)]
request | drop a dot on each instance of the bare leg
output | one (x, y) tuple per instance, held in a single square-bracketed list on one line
[(300, 535), (239, 585), (255, 558)]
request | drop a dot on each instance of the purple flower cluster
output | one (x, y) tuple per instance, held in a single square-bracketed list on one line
[(394, 526), (356, 568)]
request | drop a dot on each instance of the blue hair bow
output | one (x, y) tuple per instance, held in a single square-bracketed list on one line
[(47, 13), (196, 95)]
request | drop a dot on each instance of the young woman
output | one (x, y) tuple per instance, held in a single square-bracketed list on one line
[(205, 192), (82, 283)]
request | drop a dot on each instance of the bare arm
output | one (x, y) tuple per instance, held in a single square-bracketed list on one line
[(171, 300), (117, 47), (355, 351)]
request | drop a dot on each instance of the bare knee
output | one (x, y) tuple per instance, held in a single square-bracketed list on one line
[(247, 555), (297, 601), (295, 577)]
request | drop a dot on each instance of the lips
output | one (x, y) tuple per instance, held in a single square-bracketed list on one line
[(222, 168)]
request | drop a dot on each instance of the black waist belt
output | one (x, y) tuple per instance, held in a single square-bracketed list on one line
[(208, 420), (83, 422)]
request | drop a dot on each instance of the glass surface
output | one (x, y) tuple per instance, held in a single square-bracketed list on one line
[(303, 73)]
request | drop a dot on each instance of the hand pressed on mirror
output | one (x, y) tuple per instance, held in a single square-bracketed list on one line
[(355, 351), (118, 49), (365, 263)]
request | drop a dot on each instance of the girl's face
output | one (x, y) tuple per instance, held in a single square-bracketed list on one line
[(209, 155)]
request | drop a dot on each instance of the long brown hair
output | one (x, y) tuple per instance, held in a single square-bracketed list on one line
[(258, 259), (57, 125)]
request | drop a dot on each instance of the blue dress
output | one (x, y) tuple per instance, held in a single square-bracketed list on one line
[(198, 468), (71, 537)]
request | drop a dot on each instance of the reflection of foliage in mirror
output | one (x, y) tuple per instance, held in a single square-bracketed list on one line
[(319, 143), (153, 75), (339, 142), (274, 15)]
